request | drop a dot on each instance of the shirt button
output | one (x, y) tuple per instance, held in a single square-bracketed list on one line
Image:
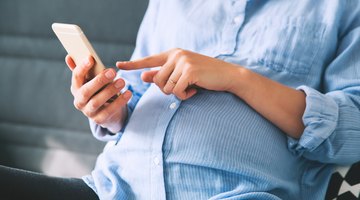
[(156, 161), (173, 105), (237, 20)]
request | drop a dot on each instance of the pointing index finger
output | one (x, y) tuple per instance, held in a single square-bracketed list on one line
[(146, 62)]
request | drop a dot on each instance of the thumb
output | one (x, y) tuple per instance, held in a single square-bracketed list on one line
[(148, 76)]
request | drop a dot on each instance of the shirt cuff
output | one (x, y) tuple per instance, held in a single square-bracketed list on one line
[(103, 134), (320, 120)]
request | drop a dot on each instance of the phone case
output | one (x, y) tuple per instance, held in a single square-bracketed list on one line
[(77, 45)]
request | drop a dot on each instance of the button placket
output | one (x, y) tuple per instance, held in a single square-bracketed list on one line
[(231, 29), (156, 157)]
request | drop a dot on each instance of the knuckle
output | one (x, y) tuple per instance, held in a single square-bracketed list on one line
[(81, 96), (187, 60), (159, 84), (179, 53), (93, 104), (176, 50), (159, 80), (101, 80), (84, 93), (78, 105), (80, 101), (107, 93)]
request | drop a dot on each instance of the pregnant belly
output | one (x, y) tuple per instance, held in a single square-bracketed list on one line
[(218, 130)]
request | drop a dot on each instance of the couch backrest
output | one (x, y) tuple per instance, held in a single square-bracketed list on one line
[(31, 55)]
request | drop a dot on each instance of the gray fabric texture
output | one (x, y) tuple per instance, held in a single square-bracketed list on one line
[(40, 130)]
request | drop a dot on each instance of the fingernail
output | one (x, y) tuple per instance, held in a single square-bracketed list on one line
[(119, 63), (119, 84), (127, 95), (109, 74)]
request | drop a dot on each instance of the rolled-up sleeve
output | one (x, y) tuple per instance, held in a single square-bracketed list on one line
[(332, 116)]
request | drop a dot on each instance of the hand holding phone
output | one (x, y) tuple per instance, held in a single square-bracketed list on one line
[(93, 86)]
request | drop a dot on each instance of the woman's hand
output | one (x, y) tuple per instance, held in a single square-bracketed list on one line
[(181, 70), (93, 97)]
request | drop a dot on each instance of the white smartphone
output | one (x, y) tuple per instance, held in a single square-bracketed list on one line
[(77, 46)]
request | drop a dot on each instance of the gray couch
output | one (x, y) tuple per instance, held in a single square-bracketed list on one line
[(39, 128)]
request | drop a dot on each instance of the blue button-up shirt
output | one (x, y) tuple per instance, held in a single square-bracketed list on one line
[(213, 145)]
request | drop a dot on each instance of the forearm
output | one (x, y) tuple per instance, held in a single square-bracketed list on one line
[(281, 105)]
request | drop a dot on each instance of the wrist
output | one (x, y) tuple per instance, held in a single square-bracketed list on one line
[(240, 77), (116, 124)]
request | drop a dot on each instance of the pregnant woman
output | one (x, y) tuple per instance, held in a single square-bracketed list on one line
[(227, 100), (258, 101)]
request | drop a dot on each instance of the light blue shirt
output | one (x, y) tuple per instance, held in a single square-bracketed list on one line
[(213, 145)]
